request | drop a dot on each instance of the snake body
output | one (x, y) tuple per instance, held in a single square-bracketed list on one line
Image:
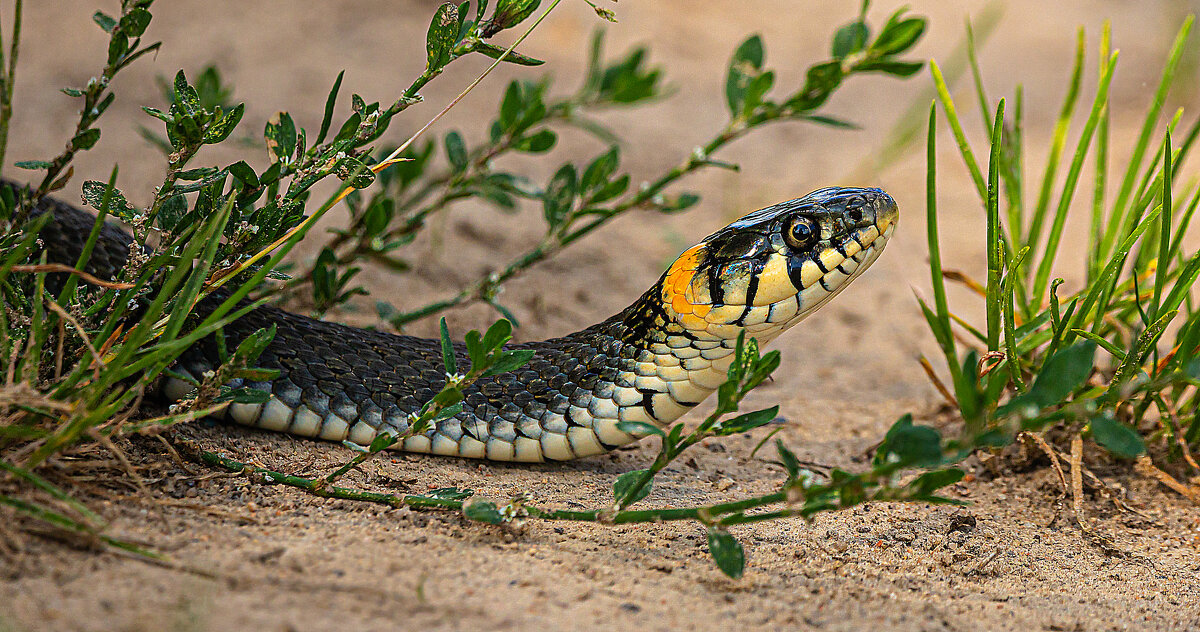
[(652, 362)]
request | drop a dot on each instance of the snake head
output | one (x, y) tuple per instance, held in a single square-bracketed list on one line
[(775, 266)]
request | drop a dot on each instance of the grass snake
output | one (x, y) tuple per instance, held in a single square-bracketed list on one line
[(652, 362)]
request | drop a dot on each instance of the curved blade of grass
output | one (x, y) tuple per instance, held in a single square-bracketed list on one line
[(1104, 343), (1010, 338), (1042, 277), (939, 318), (1104, 283), (1119, 223), (1100, 178), (995, 246), (1162, 270), (1058, 142), (1142, 347), (964, 148)]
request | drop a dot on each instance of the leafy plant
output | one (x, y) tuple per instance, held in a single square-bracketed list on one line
[(1115, 359)]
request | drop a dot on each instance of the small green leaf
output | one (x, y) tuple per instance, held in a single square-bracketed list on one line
[(330, 102), (510, 13), (536, 143), (625, 483), (456, 151), (355, 172), (744, 66), (559, 196), (850, 39), (499, 333), (280, 134), (381, 442), (639, 428), (600, 169), (33, 164), (246, 396), (898, 35), (448, 359), (135, 22), (682, 202), (747, 422), (1117, 437), (447, 397), (789, 460), (221, 129), (1061, 375), (447, 412), (439, 42), (244, 174), (819, 82), (105, 21), (509, 361), (86, 139), (513, 57), (894, 68), (481, 510), (727, 552), (926, 484), (449, 493), (475, 349), (93, 194), (912, 446)]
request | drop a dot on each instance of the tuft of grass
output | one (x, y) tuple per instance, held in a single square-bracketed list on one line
[(1114, 361)]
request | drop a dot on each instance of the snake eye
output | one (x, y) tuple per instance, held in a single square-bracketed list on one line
[(802, 232)]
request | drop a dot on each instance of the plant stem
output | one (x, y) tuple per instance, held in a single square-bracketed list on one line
[(8, 78)]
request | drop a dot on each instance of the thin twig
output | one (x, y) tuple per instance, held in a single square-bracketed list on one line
[(59, 267)]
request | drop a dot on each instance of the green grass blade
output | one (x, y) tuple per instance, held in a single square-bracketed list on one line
[(960, 137), (1042, 278), (941, 314), (1184, 221), (1058, 142), (1100, 176), (1163, 269), (995, 246), (1142, 346), (980, 91), (1104, 343), (1119, 221), (1105, 282), (1010, 338)]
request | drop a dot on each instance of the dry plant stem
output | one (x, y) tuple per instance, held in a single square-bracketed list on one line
[(58, 267), (1147, 468), (1077, 482), (937, 382), (1045, 447)]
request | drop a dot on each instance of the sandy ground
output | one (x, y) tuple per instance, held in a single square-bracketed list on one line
[(1011, 560)]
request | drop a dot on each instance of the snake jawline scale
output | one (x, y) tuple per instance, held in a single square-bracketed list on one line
[(652, 362)]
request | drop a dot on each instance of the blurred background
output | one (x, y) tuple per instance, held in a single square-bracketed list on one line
[(279, 56)]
